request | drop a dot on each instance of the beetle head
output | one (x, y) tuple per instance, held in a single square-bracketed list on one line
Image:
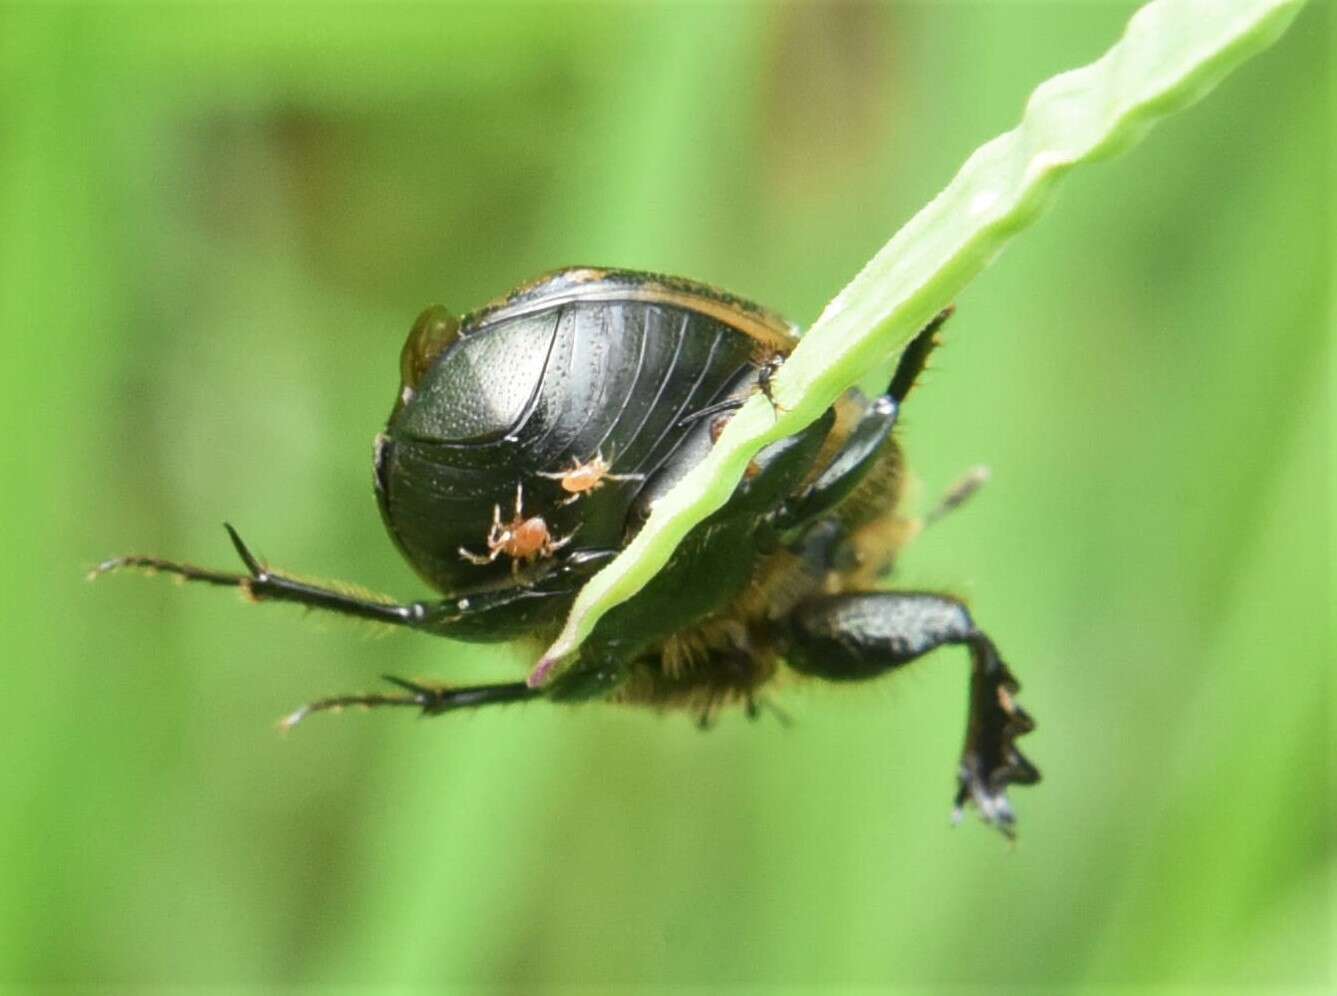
[(435, 330)]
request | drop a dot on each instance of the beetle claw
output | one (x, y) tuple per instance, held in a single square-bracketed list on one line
[(291, 720), (991, 761)]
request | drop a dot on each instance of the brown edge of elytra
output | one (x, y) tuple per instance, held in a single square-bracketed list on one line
[(591, 283)]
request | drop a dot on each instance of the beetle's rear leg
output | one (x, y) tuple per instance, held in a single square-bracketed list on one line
[(852, 637), (431, 700)]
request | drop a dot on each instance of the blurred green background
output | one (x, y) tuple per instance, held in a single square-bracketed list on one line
[(218, 224)]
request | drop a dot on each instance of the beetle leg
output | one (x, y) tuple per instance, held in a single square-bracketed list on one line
[(431, 700), (958, 494), (472, 615), (915, 356), (727, 405), (261, 583), (861, 450), (847, 468), (873, 550), (853, 637), (864, 445)]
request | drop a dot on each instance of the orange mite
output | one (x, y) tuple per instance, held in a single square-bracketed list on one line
[(584, 478), (523, 539)]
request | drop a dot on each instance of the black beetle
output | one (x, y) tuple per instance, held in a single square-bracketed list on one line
[(529, 441)]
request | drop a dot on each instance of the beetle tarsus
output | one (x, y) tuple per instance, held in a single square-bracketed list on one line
[(156, 565), (859, 636), (990, 761), (432, 701), (187, 572), (337, 703), (915, 357), (264, 584)]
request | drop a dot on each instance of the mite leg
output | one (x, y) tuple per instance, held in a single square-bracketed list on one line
[(852, 637), (495, 538), (430, 700)]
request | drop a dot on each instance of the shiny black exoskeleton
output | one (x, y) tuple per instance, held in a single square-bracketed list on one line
[(529, 442)]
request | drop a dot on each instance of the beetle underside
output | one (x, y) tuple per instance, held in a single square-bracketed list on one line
[(612, 385), (729, 657)]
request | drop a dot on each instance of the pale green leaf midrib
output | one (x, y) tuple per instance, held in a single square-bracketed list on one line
[(1172, 53)]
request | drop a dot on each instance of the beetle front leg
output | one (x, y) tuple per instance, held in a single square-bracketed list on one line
[(852, 637), (261, 583), (469, 616)]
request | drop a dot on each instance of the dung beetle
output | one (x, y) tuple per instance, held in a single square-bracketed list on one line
[(528, 443)]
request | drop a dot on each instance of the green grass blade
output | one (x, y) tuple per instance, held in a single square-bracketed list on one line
[(1172, 53)]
